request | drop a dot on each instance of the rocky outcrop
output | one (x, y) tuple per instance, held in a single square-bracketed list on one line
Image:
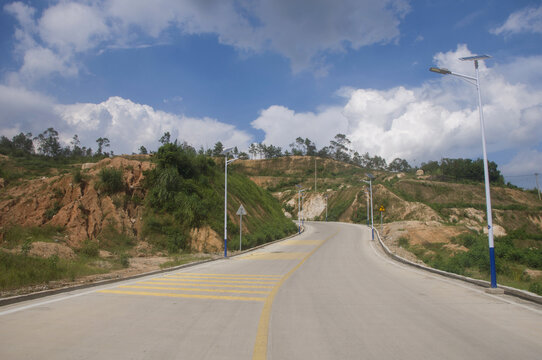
[(79, 207)]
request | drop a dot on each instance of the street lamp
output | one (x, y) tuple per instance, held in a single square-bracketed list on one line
[(476, 82), (299, 191), (370, 182), (226, 152)]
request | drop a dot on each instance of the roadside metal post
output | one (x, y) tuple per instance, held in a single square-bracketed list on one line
[(226, 152), (370, 182), (299, 191), (326, 207), (241, 212), (537, 186), (382, 209)]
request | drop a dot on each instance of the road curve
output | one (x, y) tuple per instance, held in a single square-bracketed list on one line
[(329, 293)]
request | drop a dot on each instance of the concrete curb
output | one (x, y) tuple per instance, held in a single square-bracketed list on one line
[(525, 295), (44, 293)]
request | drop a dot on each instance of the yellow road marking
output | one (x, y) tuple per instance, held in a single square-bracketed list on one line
[(301, 242), (262, 282), (229, 275), (193, 289), (173, 282), (260, 346), (192, 296), (275, 256), (218, 278)]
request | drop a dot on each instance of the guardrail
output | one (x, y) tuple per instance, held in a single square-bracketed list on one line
[(526, 295)]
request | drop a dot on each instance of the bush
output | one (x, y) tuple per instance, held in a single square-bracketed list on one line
[(111, 181), (124, 260), (536, 287), (52, 211), (90, 248)]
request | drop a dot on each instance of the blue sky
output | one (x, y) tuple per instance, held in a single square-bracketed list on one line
[(253, 70)]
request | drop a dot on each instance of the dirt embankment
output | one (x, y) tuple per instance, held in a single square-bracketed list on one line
[(78, 207), (418, 233)]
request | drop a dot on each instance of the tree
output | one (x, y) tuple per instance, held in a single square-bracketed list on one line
[(48, 143), (310, 147), (252, 150), (217, 151), (102, 142), (165, 139), (143, 150), (77, 150), (243, 155), (22, 143), (399, 165), (339, 148)]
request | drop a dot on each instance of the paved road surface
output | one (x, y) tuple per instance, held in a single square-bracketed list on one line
[(327, 294)]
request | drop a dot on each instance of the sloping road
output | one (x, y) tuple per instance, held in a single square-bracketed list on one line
[(327, 294)]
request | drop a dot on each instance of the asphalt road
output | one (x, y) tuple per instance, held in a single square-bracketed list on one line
[(327, 294)]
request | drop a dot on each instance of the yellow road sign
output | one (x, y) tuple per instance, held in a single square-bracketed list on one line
[(382, 209)]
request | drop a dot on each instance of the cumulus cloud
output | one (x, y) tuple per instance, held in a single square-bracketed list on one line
[(525, 20), (438, 119), (129, 125), (282, 125), (303, 31), (126, 124)]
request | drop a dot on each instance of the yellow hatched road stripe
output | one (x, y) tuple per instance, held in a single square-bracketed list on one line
[(225, 281), (230, 275), (194, 289), (219, 278), (180, 282), (191, 296), (301, 242), (275, 256)]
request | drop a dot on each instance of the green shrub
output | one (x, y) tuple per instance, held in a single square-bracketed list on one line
[(52, 211), (403, 242), (111, 181), (536, 287), (124, 260), (90, 248)]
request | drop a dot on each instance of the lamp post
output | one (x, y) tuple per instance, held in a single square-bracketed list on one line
[(226, 152), (370, 182), (367, 195), (326, 207), (476, 82), (299, 191)]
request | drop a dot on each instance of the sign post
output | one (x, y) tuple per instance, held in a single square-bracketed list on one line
[(241, 212), (382, 210)]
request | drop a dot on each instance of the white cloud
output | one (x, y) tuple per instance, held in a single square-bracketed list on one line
[(438, 119), (282, 125), (527, 162), (129, 125), (303, 31), (70, 26), (25, 111), (524, 20)]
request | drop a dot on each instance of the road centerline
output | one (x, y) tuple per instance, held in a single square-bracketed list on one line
[(262, 335)]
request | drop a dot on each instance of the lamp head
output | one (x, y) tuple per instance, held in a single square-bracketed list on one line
[(442, 71)]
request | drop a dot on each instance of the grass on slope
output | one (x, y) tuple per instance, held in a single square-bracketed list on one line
[(513, 258), (186, 191)]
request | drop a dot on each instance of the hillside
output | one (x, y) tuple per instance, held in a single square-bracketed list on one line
[(82, 219), (439, 223)]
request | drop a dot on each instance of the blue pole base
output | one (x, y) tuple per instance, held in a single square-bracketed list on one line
[(492, 267), (225, 247)]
